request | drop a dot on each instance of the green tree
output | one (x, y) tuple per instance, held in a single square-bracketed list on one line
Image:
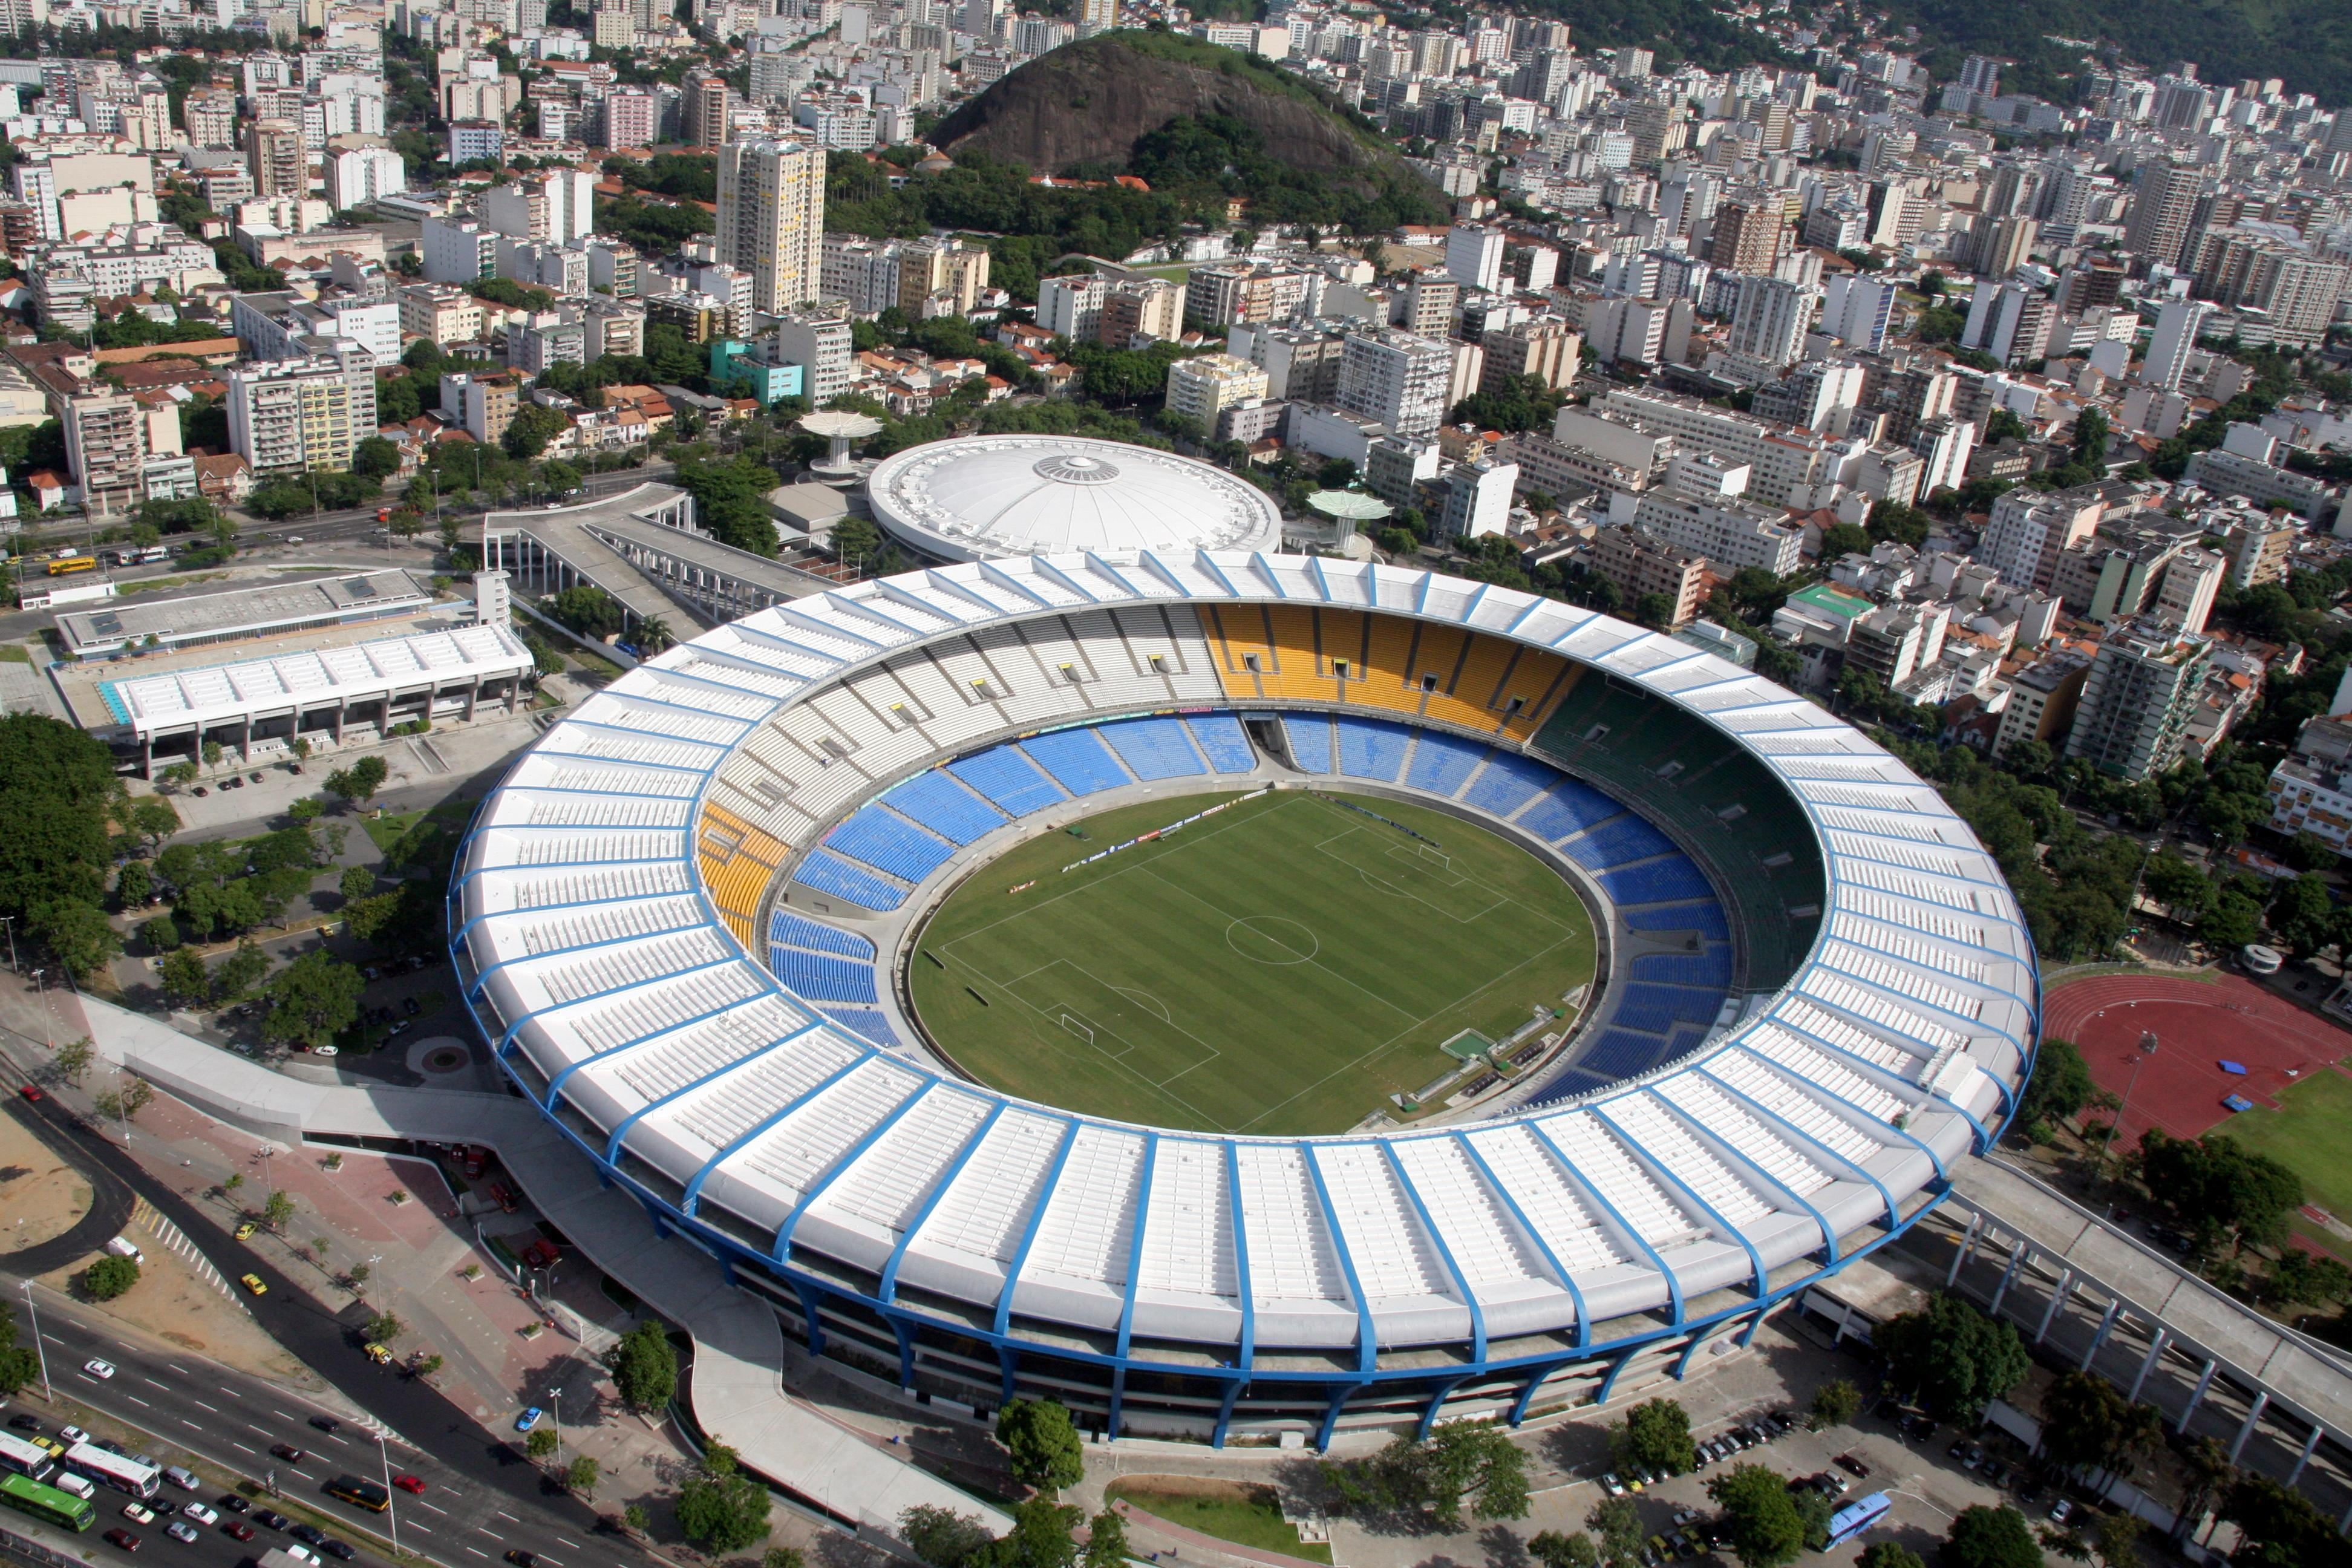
[(2223, 1195), (2178, 885), (634, 1517), (1983, 1537), (357, 882), (1460, 1464), (80, 935), (108, 1277), (1765, 1527), (1617, 1522), (1888, 1554), (1835, 1403), (376, 458), (2307, 851), (1654, 1436), (160, 932), (644, 1368), (583, 1475), (1950, 1357), (720, 1508), (240, 972), (1043, 1444), (18, 1366), (2087, 1425), (541, 1442), (942, 1537), (532, 429), (277, 1209), (72, 1061), (1106, 1545), (1040, 1538), (135, 884), (359, 783), (2061, 1085), (1573, 1548), (590, 611), (383, 1328), (312, 999)]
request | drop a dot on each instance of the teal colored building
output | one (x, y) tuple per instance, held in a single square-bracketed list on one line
[(731, 363)]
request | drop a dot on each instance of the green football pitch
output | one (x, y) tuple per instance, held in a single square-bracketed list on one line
[(1282, 967)]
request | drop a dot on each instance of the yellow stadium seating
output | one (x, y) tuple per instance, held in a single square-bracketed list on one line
[(738, 862), (1244, 648)]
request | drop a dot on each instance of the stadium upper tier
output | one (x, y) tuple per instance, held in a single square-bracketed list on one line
[(615, 888)]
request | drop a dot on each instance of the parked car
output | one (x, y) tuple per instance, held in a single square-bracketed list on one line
[(231, 1503), (31, 1093), (506, 1200), (2061, 1510), (237, 1530), (123, 1537), (26, 1422), (529, 1418), (199, 1512), (181, 1530), (411, 1005), (1851, 1467), (138, 1514), (268, 1521)]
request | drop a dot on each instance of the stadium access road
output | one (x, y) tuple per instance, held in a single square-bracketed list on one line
[(482, 1496)]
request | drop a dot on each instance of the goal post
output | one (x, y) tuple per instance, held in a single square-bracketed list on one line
[(1430, 853), (1079, 1026)]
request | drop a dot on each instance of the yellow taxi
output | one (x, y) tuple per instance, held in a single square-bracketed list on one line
[(245, 1231), (253, 1283)]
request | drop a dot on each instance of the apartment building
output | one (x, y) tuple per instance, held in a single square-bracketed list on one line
[(285, 416)]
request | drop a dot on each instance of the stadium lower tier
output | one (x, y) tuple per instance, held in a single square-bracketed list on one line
[(1678, 1181)]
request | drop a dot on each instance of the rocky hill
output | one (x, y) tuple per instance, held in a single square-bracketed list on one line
[(1086, 105)]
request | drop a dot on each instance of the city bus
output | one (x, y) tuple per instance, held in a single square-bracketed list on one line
[(47, 1504), (72, 564), (119, 1471), (1856, 1517), (20, 1458), (364, 1494)]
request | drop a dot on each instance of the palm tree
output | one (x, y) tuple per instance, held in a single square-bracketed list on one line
[(654, 635), (2206, 1469)]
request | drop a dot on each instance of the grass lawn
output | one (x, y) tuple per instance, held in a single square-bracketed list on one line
[(167, 584), (15, 652), (404, 836), (1245, 1515), (1281, 968), (2307, 1135)]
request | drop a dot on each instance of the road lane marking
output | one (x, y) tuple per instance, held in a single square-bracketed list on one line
[(418, 1528), (232, 1393), (202, 1405), (251, 1428), (281, 1415), (505, 1515), (235, 1444), (442, 1511), (190, 1424), (573, 1544), (152, 1383), (176, 1367), (479, 1553), (139, 1401), (486, 1530)]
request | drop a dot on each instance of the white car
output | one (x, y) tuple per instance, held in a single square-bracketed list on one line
[(138, 1514), (293, 538), (70, 1435), (97, 1368), (200, 1513)]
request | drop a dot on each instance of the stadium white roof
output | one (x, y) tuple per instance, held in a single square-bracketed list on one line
[(313, 678), (992, 497), (590, 927)]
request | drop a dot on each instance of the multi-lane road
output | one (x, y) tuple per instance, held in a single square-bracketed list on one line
[(482, 1497)]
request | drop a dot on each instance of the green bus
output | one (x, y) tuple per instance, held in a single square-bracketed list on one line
[(47, 1503)]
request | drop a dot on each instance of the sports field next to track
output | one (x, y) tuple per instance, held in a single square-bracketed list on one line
[(1282, 967)]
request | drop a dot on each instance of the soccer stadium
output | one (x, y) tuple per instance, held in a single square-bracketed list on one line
[(1242, 996)]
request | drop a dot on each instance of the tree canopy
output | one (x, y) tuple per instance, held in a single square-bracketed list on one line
[(1950, 1357), (2223, 1195), (58, 788), (1765, 1526), (1983, 1537), (1656, 1436)]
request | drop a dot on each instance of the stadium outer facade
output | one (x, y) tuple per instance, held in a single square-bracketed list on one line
[(967, 1246)]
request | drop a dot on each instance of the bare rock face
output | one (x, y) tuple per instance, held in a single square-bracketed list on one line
[(1087, 102)]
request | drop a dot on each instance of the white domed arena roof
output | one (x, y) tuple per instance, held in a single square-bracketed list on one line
[(989, 497)]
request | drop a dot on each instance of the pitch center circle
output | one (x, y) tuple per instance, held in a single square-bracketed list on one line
[(1272, 939)]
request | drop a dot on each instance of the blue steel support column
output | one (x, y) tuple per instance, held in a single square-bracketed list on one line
[(1134, 1266), (1682, 1361), (1008, 1366), (1436, 1400), (1616, 1370), (815, 1327), (1331, 1416), (1536, 1380), (906, 1334)]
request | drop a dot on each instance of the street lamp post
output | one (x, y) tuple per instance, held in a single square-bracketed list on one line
[(2147, 1045), (40, 990), (390, 1512), (38, 1349), (10, 922)]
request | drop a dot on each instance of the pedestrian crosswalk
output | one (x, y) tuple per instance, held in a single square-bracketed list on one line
[(173, 1239)]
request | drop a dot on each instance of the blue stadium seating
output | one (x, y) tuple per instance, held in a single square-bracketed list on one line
[(821, 978), (1508, 783), (1369, 749), (1562, 812), (1079, 761), (1011, 780), (1704, 916), (1686, 1040), (1712, 967), (889, 843), (1568, 1082), (1223, 742), (1311, 743), (1441, 762), (828, 873), (1684, 1002), (1620, 842), (1656, 881), (948, 810), (1622, 1053), (791, 930), (1154, 748), (1569, 807), (866, 1022)]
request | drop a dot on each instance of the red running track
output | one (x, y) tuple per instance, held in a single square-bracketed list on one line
[(2181, 1087)]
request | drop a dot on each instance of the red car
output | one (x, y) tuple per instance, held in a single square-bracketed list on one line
[(409, 1484), (30, 1092), (236, 1530), (543, 1254), (476, 1157), (503, 1198), (123, 1537)]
